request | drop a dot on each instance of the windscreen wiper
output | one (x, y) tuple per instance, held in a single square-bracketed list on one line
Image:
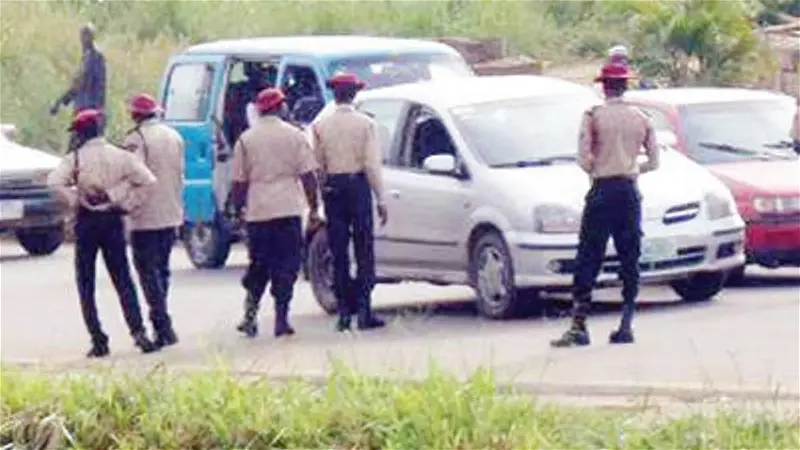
[(538, 161), (728, 148)]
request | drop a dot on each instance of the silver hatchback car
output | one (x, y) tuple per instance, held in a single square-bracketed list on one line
[(483, 190)]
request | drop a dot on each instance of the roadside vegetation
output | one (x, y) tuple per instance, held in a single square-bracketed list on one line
[(40, 49), (216, 410)]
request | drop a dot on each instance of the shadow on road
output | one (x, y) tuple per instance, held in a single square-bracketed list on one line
[(766, 281)]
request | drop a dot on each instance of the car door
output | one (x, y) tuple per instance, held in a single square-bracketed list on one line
[(188, 96), (389, 115), (427, 211)]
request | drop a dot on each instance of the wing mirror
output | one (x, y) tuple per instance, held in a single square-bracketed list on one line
[(441, 164), (9, 132)]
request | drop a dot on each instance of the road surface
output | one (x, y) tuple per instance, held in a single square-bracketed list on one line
[(745, 341)]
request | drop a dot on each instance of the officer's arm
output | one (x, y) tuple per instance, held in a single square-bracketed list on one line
[(651, 149), (374, 161), (306, 169), (239, 176), (585, 144), (62, 182), (137, 176)]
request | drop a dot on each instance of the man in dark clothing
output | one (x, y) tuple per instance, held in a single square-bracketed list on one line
[(94, 179), (610, 139), (88, 88), (241, 94)]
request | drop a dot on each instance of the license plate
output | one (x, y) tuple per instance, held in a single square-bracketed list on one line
[(657, 250), (11, 209)]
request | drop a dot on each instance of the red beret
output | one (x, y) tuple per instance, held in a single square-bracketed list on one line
[(613, 71), (345, 80), (269, 99), (143, 104), (84, 118)]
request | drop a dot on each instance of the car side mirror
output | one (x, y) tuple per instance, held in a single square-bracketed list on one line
[(9, 132), (440, 164)]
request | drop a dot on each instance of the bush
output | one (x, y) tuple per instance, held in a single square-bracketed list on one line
[(218, 410)]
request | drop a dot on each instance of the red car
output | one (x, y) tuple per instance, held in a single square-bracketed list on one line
[(744, 138)]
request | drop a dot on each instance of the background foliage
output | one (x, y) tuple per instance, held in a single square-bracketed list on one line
[(40, 47)]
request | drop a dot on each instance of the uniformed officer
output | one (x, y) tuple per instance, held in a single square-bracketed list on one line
[(94, 178), (349, 154), (268, 161), (154, 223), (610, 140)]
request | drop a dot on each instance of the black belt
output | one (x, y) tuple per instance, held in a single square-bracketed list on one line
[(346, 175)]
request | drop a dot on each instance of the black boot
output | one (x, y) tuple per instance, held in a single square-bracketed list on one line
[(249, 326), (98, 350), (577, 335), (344, 322), (282, 326), (621, 336), (144, 343), (166, 338), (366, 319)]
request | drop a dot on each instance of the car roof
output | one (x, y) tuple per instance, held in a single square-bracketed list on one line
[(320, 46), (450, 93), (698, 95)]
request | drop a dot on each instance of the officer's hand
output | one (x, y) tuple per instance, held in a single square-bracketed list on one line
[(383, 213), (96, 196)]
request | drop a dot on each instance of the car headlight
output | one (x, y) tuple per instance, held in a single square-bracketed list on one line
[(556, 219), (776, 204), (718, 206)]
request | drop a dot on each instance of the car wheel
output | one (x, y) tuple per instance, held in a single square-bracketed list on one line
[(207, 245), (736, 277), (492, 276), (41, 241), (319, 264), (700, 287)]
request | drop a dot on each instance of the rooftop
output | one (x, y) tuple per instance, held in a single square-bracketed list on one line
[(320, 46)]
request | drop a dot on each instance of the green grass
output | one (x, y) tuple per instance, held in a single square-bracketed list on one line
[(167, 410), (40, 49)]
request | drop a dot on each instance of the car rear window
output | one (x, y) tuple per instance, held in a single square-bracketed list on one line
[(390, 70)]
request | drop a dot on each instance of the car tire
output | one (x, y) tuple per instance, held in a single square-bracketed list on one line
[(736, 277), (492, 277), (700, 287), (207, 244), (41, 241), (319, 264)]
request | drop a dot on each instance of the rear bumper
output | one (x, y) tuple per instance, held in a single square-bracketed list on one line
[(773, 244), (36, 213)]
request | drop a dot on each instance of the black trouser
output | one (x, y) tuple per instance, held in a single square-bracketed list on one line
[(613, 209), (275, 257), (151, 252), (104, 231), (348, 209)]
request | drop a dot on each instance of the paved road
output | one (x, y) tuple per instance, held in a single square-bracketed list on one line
[(746, 340)]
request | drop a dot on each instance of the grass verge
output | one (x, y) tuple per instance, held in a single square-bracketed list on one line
[(168, 410)]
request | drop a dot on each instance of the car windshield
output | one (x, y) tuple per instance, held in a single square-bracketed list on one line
[(741, 131), (390, 70), (524, 131)]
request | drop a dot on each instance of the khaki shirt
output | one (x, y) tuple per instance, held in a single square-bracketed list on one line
[(611, 138), (346, 141), (101, 166), (161, 148), (270, 157)]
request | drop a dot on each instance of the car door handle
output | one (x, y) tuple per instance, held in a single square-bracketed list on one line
[(394, 193)]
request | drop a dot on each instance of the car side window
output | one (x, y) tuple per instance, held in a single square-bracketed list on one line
[(304, 97), (189, 92), (428, 136), (387, 114)]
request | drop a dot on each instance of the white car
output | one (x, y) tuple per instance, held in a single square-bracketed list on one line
[(483, 189), (27, 206)]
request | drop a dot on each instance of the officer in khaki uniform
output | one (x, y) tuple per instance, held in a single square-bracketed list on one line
[(348, 150), (271, 160), (95, 178), (155, 222), (610, 140)]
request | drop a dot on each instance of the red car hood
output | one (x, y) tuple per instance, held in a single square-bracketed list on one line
[(780, 177)]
